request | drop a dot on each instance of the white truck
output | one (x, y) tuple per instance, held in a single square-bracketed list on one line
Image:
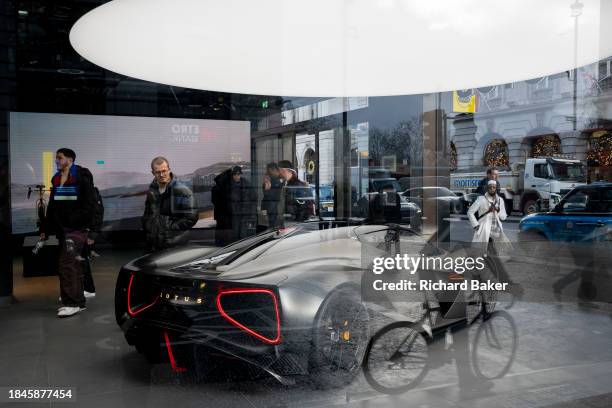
[(536, 185)]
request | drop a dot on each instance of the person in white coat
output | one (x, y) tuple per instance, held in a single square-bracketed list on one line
[(491, 211), (489, 232)]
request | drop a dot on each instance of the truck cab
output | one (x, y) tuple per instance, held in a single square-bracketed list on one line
[(546, 180)]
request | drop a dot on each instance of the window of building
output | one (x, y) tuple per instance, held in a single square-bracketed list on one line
[(549, 145), (453, 156), (496, 154)]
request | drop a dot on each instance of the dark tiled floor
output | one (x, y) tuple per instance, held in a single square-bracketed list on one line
[(564, 359)]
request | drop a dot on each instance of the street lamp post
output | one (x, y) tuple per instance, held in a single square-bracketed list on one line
[(576, 8)]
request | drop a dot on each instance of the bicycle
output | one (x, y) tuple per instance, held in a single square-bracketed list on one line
[(41, 204), (400, 355)]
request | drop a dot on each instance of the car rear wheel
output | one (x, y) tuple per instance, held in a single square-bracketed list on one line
[(340, 337), (529, 207)]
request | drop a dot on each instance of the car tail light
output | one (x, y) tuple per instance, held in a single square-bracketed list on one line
[(254, 310), (133, 311)]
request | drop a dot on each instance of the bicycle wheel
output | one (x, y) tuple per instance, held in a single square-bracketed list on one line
[(396, 358), (41, 211), (495, 345)]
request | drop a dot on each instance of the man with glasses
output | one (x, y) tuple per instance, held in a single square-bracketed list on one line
[(170, 209)]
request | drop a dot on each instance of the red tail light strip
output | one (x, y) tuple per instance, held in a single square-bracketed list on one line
[(277, 338), (134, 312), (175, 367)]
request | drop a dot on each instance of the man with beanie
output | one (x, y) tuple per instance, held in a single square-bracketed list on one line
[(69, 214)]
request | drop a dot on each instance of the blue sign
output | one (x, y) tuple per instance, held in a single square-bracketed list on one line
[(466, 183)]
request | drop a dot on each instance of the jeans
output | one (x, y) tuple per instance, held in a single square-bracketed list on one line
[(70, 269), (88, 282)]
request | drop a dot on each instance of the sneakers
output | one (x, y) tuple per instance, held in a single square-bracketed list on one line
[(67, 311), (88, 295)]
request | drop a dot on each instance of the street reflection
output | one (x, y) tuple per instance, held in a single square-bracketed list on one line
[(401, 354)]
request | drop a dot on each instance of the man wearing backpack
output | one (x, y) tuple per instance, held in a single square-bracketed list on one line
[(69, 215)]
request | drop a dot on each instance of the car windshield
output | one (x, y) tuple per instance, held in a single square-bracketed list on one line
[(569, 171), (380, 184), (430, 191), (301, 192), (326, 193), (441, 192), (588, 201)]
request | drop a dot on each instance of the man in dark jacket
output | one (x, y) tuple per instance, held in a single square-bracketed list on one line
[(297, 196), (242, 205), (219, 195), (69, 214), (492, 174), (272, 186), (170, 210)]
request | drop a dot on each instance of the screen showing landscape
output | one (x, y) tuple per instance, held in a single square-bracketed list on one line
[(118, 151)]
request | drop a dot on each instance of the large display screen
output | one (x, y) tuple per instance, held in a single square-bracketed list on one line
[(118, 151)]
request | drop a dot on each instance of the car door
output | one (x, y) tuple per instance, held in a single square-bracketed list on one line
[(583, 216)]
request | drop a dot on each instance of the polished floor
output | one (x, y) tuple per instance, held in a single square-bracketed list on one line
[(563, 359)]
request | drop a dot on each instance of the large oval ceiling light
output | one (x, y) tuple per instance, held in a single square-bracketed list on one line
[(342, 47)]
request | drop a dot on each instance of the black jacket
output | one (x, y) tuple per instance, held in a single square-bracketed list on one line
[(482, 186), (243, 200), (219, 196), (271, 198), (71, 214), (169, 216), (225, 207)]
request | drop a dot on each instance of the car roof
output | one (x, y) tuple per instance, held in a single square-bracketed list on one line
[(597, 184)]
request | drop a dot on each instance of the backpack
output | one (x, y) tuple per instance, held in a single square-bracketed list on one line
[(98, 218)]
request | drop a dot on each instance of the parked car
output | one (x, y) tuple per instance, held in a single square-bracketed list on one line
[(287, 301), (326, 200), (385, 203), (583, 215), (421, 196)]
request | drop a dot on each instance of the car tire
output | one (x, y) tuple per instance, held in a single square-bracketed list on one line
[(529, 207), (339, 339), (457, 207)]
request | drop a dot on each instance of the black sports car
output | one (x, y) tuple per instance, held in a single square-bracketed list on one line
[(287, 301)]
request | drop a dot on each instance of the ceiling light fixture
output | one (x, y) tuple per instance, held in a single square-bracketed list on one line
[(342, 47)]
